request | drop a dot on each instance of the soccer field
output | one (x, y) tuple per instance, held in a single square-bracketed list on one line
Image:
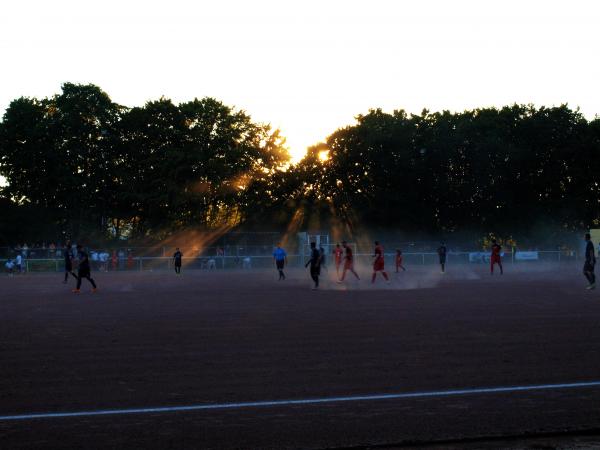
[(240, 360)]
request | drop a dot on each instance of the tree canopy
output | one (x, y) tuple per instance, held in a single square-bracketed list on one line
[(97, 166), (78, 163)]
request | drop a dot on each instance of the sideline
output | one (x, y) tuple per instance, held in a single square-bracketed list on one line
[(309, 401)]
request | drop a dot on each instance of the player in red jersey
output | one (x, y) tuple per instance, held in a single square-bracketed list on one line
[(399, 259), (379, 263), (338, 253), (348, 262), (495, 257)]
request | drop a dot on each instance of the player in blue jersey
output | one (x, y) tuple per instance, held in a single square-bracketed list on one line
[(280, 258)]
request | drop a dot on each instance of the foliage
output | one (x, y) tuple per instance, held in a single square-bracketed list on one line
[(101, 167), (84, 165), (492, 170)]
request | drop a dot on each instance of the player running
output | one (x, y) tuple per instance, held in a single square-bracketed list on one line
[(590, 262), (379, 263), (495, 257), (177, 257), (442, 251), (83, 270), (348, 262), (338, 253), (68, 263), (280, 257), (399, 259), (315, 264)]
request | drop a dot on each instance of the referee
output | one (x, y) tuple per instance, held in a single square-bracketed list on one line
[(280, 257)]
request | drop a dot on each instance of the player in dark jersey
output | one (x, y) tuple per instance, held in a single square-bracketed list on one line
[(68, 263), (442, 251), (83, 270), (495, 257), (590, 262), (177, 257), (315, 264), (323, 259)]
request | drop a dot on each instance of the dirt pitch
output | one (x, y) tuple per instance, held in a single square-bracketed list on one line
[(157, 340)]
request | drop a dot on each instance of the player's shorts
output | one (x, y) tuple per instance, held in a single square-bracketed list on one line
[(348, 265), (495, 259), (279, 263), (379, 265)]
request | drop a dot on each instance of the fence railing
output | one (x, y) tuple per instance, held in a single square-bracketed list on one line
[(143, 263)]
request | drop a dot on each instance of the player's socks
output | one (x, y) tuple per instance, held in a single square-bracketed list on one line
[(75, 291), (94, 290)]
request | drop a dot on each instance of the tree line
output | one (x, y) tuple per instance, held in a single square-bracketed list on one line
[(79, 164)]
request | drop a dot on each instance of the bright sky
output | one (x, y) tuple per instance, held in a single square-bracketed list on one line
[(310, 66)]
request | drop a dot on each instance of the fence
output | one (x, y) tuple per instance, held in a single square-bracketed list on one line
[(147, 263)]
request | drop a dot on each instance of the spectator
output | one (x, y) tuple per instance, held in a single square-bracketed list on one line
[(114, 260), (95, 259), (19, 263), (10, 267), (104, 261), (121, 259)]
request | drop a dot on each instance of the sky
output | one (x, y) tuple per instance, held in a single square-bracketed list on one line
[(308, 67)]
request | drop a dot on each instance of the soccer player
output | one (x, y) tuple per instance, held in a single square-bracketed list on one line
[(280, 257), (177, 257), (338, 253), (442, 251), (83, 270), (399, 259), (315, 264), (348, 262), (495, 257), (379, 263), (590, 262), (322, 252), (68, 264)]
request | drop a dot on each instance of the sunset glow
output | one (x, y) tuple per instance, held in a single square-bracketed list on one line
[(308, 68)]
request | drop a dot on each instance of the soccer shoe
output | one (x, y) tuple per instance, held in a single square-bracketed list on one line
[(591, 286), (94, 290), (75, 291)]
